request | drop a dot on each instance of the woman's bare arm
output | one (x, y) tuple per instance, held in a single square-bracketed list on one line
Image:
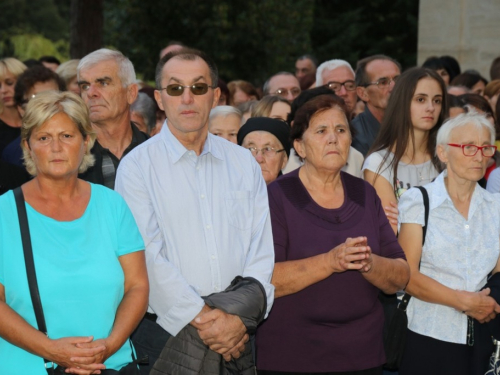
[(294, 275)]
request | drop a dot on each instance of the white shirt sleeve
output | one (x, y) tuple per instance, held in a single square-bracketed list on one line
[(170, 297), (493, 184)]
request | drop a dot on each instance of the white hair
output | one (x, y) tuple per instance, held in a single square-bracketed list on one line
[(126, 71), (330, 65), (470, 118), (224, 111)]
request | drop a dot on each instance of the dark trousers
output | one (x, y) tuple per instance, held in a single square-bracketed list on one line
[(425, 355), (149, 339), (372, 371)]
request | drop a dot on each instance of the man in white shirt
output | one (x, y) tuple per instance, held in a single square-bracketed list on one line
[(201, 205)]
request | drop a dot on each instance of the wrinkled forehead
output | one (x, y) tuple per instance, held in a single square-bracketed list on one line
[(261, 138), (106, 68), (283, 82), (340, 74), (179, 70)]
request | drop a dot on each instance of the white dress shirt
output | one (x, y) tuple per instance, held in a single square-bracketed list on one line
[(204, 220), (458, 253)]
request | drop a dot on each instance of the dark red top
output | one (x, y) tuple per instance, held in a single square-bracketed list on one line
[(335, 324)]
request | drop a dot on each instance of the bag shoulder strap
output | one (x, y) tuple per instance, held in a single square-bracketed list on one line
[(30, 266), (406, 298), (426, 215)]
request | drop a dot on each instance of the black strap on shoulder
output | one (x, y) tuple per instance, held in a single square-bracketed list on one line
[(426, 206), (406, 298), (30, 267)]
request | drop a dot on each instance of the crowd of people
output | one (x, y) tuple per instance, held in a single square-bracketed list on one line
[(204, 227)]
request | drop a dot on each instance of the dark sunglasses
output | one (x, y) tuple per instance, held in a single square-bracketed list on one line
[(178, 90)]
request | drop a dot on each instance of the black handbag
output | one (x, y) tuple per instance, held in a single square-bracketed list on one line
[(397, 320), (51, 367)]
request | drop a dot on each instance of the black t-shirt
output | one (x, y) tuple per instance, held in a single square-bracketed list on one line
[(7, 135)]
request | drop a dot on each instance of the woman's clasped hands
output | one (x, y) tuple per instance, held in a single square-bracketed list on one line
[(79, 355), (353, 254)]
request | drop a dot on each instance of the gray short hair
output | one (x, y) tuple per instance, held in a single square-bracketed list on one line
[(470, 118), (145, 107), (224, 111), (330, 65), (126, 71), (67, 70)]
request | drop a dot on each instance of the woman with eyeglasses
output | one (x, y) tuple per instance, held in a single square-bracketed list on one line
[(268, 141), (402, 155), (10, 119), (334, 250), (462, 247)]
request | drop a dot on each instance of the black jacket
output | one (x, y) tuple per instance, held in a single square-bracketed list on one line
[(186, 354)]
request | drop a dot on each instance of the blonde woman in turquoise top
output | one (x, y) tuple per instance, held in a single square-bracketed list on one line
[(87, 250)]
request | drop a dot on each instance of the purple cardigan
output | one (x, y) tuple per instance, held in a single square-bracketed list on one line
[(335, 324)]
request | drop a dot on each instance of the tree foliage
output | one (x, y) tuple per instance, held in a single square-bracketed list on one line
[(373, 27), (248, 39)]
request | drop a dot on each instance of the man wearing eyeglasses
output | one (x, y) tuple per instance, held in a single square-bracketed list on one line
[(201, 205), (283, 84), (375, 79), (107, 83), (338, 76)]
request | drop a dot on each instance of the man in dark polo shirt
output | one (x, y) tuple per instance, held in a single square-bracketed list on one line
[(375, 78), (107, 82)]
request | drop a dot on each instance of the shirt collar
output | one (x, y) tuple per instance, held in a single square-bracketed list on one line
[(177, 149), (440, 194)]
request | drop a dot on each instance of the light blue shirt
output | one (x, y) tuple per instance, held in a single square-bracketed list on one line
[(204, 220), (80, 279), (457, 253)]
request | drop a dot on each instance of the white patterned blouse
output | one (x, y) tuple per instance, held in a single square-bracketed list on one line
[(457, 253)]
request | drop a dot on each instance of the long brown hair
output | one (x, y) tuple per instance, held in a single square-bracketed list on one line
[(396, 131)]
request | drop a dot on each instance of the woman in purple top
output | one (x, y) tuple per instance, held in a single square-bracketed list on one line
[(334, 250)]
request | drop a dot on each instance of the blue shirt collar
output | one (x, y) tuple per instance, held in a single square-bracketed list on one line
[(177, 150)]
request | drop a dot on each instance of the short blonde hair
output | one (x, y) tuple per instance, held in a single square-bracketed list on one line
[(42, 108), (13, 66), (67, 70)]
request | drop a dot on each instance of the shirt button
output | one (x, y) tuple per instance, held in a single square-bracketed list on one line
[(208, 227), (202, 196), (217, 289), (198, 168), (213, 256), (467, 226)]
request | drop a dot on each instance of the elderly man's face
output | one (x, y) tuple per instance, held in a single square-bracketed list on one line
[(103, 92), (379, 71), (286, 86), (303, 67), (187, 113), (341, 75)]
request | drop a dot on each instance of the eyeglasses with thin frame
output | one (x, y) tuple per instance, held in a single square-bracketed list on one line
[(349, 85), (196, 88), (266, 151), (383, 82), (471, 150), (284, 92)]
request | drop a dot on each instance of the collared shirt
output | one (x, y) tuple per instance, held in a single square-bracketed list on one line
[(204, 220), (103, 172), (367, 128), (458, 253)]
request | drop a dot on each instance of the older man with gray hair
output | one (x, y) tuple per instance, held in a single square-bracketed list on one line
[(107, 83), (339, 77)]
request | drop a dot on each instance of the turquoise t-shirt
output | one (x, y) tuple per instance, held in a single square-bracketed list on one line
[(79, 275)]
